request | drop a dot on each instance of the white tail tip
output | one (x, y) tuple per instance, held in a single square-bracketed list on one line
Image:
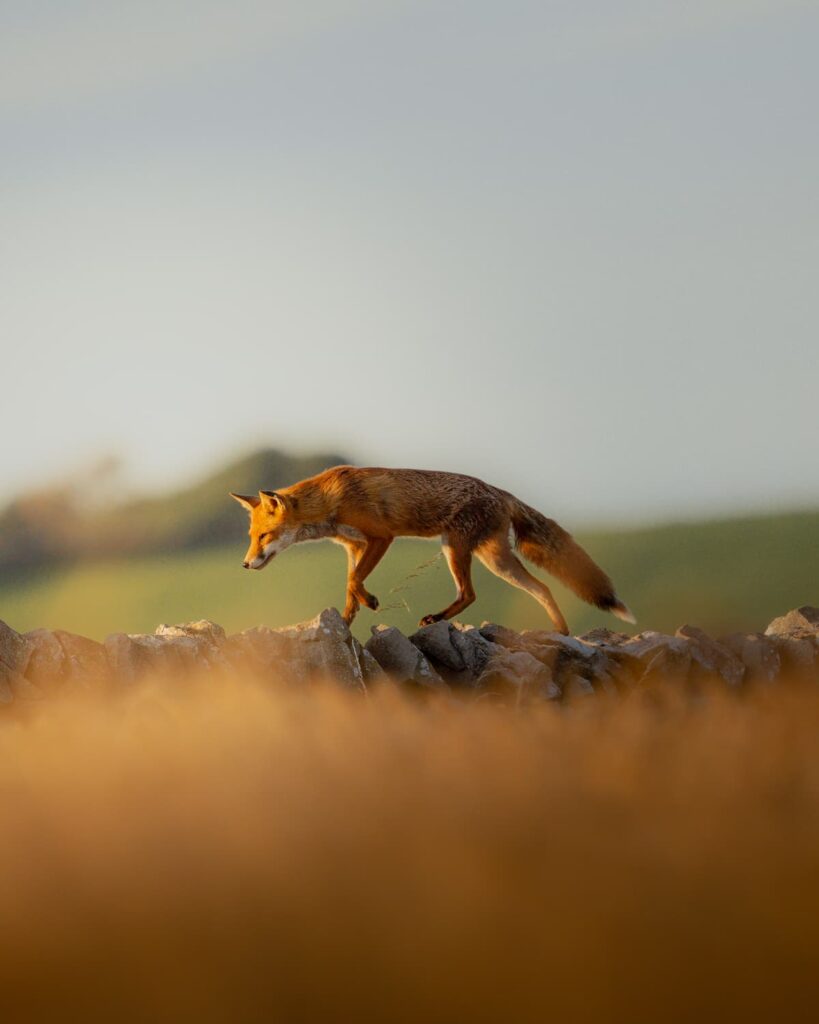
[(623, 612)]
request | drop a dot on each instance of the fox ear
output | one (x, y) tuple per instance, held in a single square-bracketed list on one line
[(270, 500), (246, 501)]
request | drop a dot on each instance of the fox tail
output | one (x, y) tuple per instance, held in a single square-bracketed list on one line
[(549, 546)]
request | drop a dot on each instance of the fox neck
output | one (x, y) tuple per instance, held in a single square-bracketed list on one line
[(316, 515)]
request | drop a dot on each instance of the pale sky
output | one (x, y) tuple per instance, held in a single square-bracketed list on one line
[(570, 246)]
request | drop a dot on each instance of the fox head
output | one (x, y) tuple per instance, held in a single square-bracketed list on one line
[(269, 530)]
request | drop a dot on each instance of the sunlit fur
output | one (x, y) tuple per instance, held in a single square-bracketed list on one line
[(366, 509)]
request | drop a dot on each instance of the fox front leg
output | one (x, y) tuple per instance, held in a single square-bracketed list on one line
[(362, 557)]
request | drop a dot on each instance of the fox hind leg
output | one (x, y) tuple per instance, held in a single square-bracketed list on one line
[(497, 555), (458, 554)]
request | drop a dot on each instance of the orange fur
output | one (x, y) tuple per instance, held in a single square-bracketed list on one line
[(366, 509)]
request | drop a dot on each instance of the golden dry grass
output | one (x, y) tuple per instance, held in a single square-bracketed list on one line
[(239, 852)]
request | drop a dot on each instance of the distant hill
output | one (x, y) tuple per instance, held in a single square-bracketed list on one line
[(53, 526)]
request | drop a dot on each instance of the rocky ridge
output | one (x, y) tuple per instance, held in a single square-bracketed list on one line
[(489, 661)]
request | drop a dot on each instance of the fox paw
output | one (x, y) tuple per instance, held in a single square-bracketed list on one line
[(372, 602), (428, 620)]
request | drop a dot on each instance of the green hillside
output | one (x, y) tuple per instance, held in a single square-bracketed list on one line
[(60, 525), (721, 575)]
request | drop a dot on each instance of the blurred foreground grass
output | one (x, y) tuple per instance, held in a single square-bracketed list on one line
[(721, 575), (235, 852)]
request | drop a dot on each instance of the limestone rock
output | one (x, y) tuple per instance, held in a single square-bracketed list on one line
[(518, 674), (402, 660), (46, 663), (459, 653), (133, 655), (325, 648), (502, 635), (370, 669), (202, 630), (576, 687), (328, 624), (60, 659), (798, 653), (15, 651), (207, 637), (758, 653), (713, 658), (802, 621), (259, 649)]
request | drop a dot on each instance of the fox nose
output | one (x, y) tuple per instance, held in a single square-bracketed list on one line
[(245, 565)]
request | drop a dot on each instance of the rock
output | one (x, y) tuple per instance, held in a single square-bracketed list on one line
[(203, 630), (601, 637), (568, 657), (668, 664), (371, 670), (330, 659), (575, 687), (59, 659), (260, 650), (547, 647), (713, 658), (46, 664), (493, 661), (327, 625), (402, 661), (536, 639), (518, 674), (638, 652), (604, 682), (86, 662), (459, 653), (208, 637), (650, 659), (133, 655), (496, 634), (15, 651), (323, 647), (758, 653), (802, 621), (798, 654)]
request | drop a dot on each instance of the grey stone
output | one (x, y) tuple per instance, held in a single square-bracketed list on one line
[(14, 648), (401, 660), (46, 666), (328, 624), (260, 649), (133, 655), (15, 651), (459, 653), (502, 635), (712, 657), (758, 653), (518, 673), (370, 669), (86, 662), (576, 687), (203, 630), (60, 659)]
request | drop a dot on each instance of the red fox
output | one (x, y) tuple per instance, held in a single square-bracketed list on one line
[(366, 509)]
